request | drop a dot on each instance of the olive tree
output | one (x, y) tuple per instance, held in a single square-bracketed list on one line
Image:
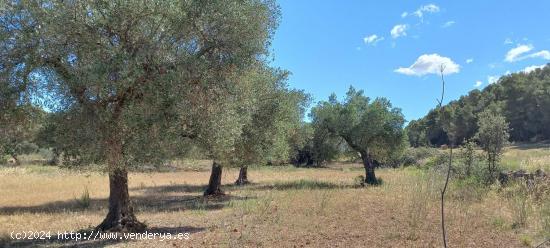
[(275, 112), (118, 70), (374, 129)]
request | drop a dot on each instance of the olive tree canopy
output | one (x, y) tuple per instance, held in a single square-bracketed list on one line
[(374, 129), (117, 71)]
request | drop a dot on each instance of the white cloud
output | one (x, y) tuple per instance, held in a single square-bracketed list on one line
[(404, 14), (470, 60), (515, 53), (508, 41), (545, 54), (399, 30), (532, 68), (478, 83), (448, 24), (430, 64), (430, 8), (520, 52), (372, 39), (492, 79)]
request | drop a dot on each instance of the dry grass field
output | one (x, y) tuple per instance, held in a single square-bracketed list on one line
[(283, 207)]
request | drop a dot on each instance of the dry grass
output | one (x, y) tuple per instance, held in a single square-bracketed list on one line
[(529, 157), (284, 207)]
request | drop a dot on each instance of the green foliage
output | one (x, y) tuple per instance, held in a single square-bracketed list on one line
[(273, 114), (128, 79), (313, 147), (372, 128), (19, 124), (418, 156), (437, 162), (523, 98), (492, 137), (416, 133), (469, 164)]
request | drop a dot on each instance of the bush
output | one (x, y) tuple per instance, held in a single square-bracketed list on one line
[(437, 162), (469, 165), (26, 148), (468, 189), (418, 156)]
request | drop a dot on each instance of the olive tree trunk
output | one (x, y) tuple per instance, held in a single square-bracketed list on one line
[(243, 176), (370, 176), (120, 217), (214, 185), (15, 160), (55, 157)]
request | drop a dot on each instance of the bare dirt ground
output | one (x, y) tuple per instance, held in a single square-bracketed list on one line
[(283, 207)]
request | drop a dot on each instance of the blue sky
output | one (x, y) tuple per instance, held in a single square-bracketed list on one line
[(393, 48)]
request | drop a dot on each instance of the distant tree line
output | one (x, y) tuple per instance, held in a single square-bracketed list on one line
[(522, 98)]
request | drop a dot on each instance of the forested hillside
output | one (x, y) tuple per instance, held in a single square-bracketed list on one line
[(523, 98)]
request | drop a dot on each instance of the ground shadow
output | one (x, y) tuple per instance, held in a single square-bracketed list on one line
[(156, 199), (101, 241), (142, 203), (174, 188), (527, 146), (298, 185)]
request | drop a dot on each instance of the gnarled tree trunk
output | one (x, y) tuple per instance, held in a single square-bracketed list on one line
[(370, 176), (243, 176), (16, 161), (214, 185), (120, 217)]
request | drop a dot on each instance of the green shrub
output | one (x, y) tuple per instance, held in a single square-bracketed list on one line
[(468, 189), (437, 162), (418, 155)]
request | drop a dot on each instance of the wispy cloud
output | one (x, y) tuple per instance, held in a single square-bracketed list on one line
[(430, 8), (515, 53), (545, 54), (404, 14), (478, 83), (508, 41), (470, 60), (372, 39), (520, 53), (399, 30), (448, 24), (430, 64)]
